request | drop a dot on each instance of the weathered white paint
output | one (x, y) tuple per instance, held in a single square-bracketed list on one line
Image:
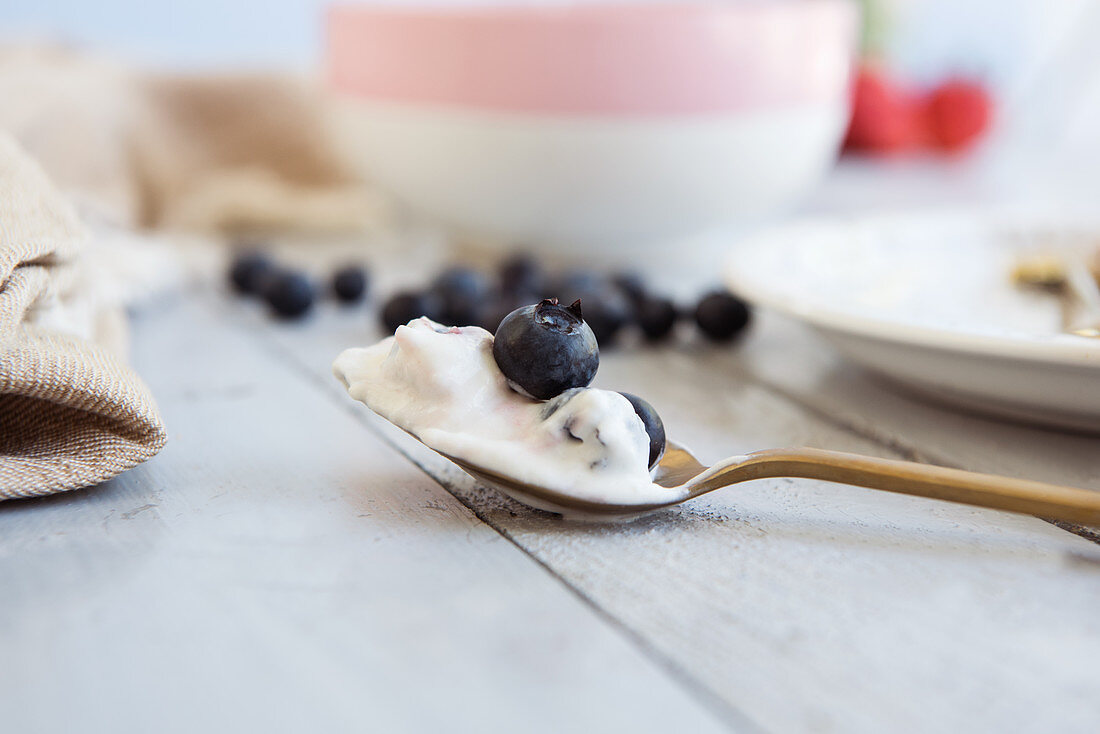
[(278, 568), (808, 606)]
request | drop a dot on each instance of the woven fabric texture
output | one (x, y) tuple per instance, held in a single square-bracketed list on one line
[(72, 413)]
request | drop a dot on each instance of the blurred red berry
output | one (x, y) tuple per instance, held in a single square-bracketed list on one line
[(957, 113), (884, 117)]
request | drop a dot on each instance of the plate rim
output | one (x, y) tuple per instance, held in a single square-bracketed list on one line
[(1057, 349)]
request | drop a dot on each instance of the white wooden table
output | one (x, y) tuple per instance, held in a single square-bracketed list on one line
[(291, 563)]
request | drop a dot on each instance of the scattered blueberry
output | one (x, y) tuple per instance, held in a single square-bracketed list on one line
[(495, 310), (403, 307), (461, 296), (546, 349), (521, 273), (656, 317), (574, 284), (249, 271), (289, 294), (349, 284), (632, 286), (721, 315), (653, 426), (606, 311), (462, 292)]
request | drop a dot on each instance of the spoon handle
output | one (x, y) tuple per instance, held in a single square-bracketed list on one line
[(922, 480)]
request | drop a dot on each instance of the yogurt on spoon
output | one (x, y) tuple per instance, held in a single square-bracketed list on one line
[(443, 385)]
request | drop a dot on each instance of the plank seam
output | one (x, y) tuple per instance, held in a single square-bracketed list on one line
[(727, 714)]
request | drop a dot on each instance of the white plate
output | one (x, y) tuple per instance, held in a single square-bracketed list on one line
[(926, 299), (595, 189)]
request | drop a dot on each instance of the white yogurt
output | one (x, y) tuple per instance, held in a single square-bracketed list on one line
[(442, 385)]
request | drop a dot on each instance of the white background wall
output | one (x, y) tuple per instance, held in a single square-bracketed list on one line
[(982, 36), (184, 33)]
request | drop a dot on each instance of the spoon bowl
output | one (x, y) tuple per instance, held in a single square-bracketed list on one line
[(687, 478), (675, 471)]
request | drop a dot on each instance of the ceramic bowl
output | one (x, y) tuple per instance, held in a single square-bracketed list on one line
[(598, 130)]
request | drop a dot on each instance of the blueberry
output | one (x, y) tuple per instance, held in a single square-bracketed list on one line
[(574, 284), (606, 308), (546, 349), (461, 291), (403, 307), (656, 317), (654, 427), (495, 310), (521, 273), (632, 285), (606, 311), (463, 281), (289, 294), (460, 312), (349, 284), (721, 315), (249, 272)]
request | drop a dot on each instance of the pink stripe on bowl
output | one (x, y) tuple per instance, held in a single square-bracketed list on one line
[(604, 60)]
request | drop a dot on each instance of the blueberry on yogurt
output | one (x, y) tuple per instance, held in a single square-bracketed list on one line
[(546, 349), (654, 427)]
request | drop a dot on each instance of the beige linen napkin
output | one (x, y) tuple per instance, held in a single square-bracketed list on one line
[(72, 414), (208, 155), (243, 152), (216, 153)]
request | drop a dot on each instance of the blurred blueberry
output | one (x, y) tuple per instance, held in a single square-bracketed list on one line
[(461, 292), (721, 315), (606, 311), (249, 270), (574, 284), (290, 294), (656, 317), (403, 307), (349, 283), (521, 273), (632, 285), (494, 310)]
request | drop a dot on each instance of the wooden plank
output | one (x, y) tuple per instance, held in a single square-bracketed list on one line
[(278, 568), (805, 605)]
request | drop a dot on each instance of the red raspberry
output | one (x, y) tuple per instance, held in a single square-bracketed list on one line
[(884, 118), (957, 113)]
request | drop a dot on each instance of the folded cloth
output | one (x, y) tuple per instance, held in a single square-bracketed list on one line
[(240, 154), (74, 117), (72, 414)]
